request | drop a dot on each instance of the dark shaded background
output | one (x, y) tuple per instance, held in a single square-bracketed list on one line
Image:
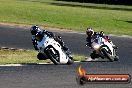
[(115, 2)]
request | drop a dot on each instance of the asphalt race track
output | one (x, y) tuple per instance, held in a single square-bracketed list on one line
[(60, 76)]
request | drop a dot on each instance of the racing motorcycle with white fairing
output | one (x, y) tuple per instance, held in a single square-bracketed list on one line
[(53, 51), (103, 48)]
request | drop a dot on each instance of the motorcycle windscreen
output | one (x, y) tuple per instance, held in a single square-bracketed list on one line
[(44, 42)]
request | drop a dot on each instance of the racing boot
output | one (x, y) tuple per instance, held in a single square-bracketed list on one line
[(116, 58), (94, 55), (67, 51), (65, 48), (42, 56)]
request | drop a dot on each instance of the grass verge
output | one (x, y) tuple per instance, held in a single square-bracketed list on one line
[(112, 19), (25, 57)]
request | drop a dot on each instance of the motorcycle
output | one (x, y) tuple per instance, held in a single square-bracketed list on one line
[(104, 49), (53, 50)]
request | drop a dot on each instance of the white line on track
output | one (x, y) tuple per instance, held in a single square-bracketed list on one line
[(11, 65), (28, 64), (15, 65)]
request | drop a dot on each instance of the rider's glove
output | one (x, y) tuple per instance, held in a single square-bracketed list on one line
[(102, 33), (88, 44)]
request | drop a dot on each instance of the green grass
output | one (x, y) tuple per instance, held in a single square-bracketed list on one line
[(25, 57), (112, 19), (79, 58), (19, 57)]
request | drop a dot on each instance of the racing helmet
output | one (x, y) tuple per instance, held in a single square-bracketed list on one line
[(90, 31), (35, 29), (102, 33)]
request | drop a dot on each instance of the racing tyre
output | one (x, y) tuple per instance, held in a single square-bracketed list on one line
[(53, 57), (107, 54)]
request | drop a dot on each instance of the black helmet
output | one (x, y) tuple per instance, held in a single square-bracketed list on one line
[(34, 29), (90, 31), (101, 33), (39, 36)]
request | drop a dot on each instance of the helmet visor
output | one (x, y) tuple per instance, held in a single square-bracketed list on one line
[(37, 37), (89, 33)]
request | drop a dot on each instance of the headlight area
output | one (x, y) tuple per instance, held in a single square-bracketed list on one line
[(96, 46)]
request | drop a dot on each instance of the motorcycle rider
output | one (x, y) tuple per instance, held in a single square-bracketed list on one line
[(37, 35), (92, 35), (34, 30)]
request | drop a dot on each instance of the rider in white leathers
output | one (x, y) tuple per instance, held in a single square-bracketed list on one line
[(40, 33)]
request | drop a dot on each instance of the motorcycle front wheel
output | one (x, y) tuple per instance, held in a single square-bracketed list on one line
[(54, 56), (107, 55)]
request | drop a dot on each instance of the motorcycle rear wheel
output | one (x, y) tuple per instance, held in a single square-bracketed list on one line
[(70, 61)]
